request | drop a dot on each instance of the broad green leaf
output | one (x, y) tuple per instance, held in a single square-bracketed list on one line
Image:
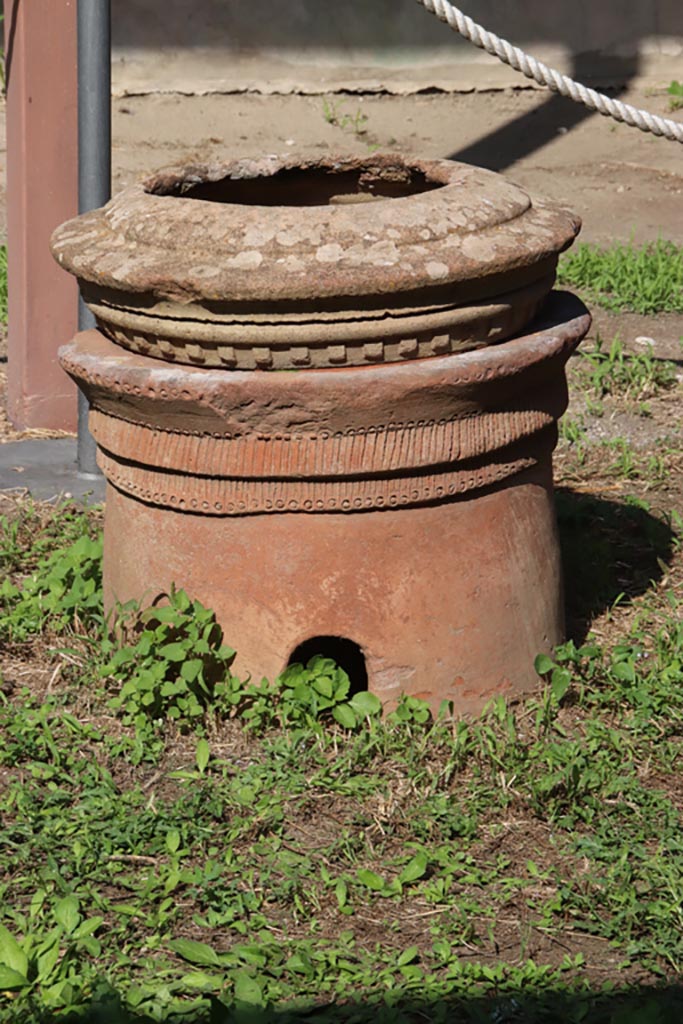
[(127, 909), (174, 652), (11, 979), (202, 754), (189, 670), (66, 912), (250, 953), (37, 901), (408, 955), (624, 670), (342, 685), (560, 681), (324, 686), (300, 963), (341, 891), (247, 989), (11, 953), (366, 704), (46, 961), (321, 665), (199, 979), (543, 664), (345, 715), (92, 945), (301, 693), (135, 995), (246, 795), (181, 601), (369, 879), (292, 675), (172, 881), (57, 995), (172, 840), (414, 869), (195, 952), (402, 712)]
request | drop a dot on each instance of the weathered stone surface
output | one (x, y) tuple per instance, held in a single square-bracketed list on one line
[(279, 263)]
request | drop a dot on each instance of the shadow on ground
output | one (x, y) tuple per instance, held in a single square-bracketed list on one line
[(635, 1006), (531, 131), (611, 552)]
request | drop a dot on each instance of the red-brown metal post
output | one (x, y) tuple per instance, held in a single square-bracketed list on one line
[(42, 191)]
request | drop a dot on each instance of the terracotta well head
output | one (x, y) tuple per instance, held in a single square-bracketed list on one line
[(395, 490), (284, 263)]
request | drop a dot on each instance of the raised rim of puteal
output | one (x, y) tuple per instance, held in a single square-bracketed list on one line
[(286, 262)]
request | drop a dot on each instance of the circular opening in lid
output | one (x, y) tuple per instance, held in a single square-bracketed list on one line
[(303, 186)]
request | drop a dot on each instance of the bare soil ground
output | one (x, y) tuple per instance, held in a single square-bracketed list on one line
[(623, 183)]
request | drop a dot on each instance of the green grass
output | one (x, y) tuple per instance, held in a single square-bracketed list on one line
[(224, 851), (645, 279)]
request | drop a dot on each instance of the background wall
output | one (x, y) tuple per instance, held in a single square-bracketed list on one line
[(304, 44)]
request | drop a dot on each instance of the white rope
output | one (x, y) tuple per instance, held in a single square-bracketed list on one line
[(544, 75)]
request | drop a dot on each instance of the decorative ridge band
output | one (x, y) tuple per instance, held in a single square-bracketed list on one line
[(383, 449), (328, 440), (341, 343), (238, 497), (115, 370)]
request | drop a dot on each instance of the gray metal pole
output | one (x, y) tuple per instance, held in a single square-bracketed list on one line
[(94, 159)]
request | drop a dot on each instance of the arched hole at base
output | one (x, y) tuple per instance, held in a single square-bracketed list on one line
[(346, 653)]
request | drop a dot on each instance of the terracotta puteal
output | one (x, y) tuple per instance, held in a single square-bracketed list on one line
[(325, 397)]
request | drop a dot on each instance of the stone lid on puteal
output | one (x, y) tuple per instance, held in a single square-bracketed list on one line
[(282, 263)]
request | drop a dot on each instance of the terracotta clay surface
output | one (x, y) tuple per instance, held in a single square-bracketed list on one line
[(349, 439), (405, 507), (281, 263), (447, 602)]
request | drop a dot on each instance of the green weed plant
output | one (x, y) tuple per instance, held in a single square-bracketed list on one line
[(611, 370), (170, 664), (64, 592), (334, 114), (675, 92)]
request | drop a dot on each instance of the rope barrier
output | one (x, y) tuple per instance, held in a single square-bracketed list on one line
[(544, 75)]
